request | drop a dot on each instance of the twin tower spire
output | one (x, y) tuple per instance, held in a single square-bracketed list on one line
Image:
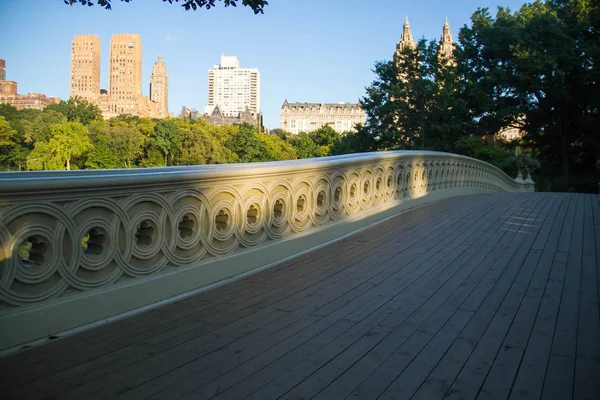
[(446, 45)]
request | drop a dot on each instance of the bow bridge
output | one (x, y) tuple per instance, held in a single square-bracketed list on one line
[(377, 275)]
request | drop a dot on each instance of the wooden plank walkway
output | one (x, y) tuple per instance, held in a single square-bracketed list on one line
[(489, 297)]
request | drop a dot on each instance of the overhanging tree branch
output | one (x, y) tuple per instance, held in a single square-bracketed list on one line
[(256, 5)]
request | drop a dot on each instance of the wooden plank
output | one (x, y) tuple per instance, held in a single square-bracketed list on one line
[(374, 385), (505, 294), (415, 374), (249, 377), (530, 378), (440, 379), (360, 372), (587, 379), (498, 383), (522, 325), (558, 384)]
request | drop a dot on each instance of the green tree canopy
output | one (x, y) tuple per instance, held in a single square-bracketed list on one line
[(305, 146), (77, 110), (68, 140), (164, 138), (247, 145)]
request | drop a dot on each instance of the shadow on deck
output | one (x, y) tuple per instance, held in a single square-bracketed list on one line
[(489, 296)]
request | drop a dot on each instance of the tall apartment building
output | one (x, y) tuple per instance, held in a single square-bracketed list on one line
[(159, 87), (232, 88), (125, 74), (85, 67), (125, 77), (308, 117)]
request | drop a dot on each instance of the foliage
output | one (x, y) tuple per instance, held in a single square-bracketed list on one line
[(256, 5), (164, 138), (247, 145), (201, 143), (6, 139), (276, 148), (6, 133), (325, 137), (537, 68), (476, 147), (67, 140), (358, 142), (77, 110), (415, 102), (304, 145), (534, 69)]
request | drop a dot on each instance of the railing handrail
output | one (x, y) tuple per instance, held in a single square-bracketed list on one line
[(38, 181)]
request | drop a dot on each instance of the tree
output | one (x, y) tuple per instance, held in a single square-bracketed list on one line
[(305, 146), (247, 145), (537, 68), (256, 5), (351, 142), (114, 146), (77, 109), (198, 144), (325, 137), (6, 140), (68, 140), (276, 148), (285, 135), (164, 138), (40, 129), (6, 133), (416, 101)]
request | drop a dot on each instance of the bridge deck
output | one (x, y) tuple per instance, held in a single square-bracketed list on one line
[(490, 296)]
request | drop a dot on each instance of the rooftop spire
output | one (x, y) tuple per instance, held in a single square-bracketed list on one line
[(406, 39)]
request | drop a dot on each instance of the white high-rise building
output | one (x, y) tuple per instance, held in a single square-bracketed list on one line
[(232, 88)]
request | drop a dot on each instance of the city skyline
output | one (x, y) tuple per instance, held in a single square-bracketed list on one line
[(303, 53)]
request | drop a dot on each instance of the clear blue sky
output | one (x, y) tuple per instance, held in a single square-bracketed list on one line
[(305, 50)]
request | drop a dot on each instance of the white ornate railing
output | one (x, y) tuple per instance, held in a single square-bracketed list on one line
[(67, 233)]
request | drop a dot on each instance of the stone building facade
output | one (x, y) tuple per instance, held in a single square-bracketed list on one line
[(219, 118), (9, 94), (233, 89), (308, 117)]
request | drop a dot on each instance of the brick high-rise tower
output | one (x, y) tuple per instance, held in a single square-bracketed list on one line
[(159, 87), (125, 91), (2, 70), (85, 67)]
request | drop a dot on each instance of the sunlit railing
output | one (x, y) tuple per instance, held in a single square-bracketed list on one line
[(64, 234)]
